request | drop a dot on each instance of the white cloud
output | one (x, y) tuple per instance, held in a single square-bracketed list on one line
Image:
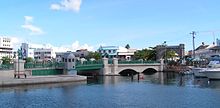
[(63, 48), (34, 30), (68, 5)]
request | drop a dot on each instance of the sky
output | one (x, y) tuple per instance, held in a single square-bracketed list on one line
[(75, 24)]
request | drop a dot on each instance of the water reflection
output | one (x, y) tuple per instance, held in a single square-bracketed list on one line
[(168, 78), (152, 91)]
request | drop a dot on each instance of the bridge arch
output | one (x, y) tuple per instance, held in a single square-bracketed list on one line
[(128, 72), (149, 71)]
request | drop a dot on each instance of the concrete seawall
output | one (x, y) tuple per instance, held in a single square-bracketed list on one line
[(7, 79)]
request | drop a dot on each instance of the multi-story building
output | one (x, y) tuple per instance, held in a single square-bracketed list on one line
[(126, 54), (41, 54), (108, 51), (82, 53), (5, 47)]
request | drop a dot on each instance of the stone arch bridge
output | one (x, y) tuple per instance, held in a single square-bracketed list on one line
[(121, 67)]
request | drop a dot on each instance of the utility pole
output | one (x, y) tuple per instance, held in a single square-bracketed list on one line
[(193, 33)]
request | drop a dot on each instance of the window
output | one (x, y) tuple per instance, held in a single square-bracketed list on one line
[(109, 51), (65, 60), (69, 60), (114, 51), (72, 60)]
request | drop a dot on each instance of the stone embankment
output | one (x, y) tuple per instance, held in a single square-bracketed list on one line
[(7, 79), (178, 69)]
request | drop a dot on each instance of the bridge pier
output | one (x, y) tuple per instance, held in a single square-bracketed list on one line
[(19, 68), (115, 66), (106, 67), (161, 65)]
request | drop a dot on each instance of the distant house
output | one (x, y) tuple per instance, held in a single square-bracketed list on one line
[(108, 51), (41, 54), (126, 54)]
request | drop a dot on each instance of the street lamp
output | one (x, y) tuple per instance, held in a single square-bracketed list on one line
[(165, 55)]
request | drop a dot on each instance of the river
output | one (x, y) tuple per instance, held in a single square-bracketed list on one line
[(160, 90)]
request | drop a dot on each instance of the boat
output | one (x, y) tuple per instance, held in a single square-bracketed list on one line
[(201, 72), (212, 73), (213, 70), (198, 72)]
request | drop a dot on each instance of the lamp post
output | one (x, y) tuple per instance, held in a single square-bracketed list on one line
[(165, 55)]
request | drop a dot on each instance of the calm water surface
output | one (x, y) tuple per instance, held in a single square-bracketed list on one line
[(161, 90)]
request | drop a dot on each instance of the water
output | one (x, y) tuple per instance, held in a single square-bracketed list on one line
[(161, 90)]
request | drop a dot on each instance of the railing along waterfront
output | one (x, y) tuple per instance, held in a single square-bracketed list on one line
[(43, 65), (6, 66), (89, 65), (137, 62)]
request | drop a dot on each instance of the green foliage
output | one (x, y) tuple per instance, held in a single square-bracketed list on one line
[(170, 54), (29, 60), (146, 54), (127, 46), (95, 55), (6, 60)]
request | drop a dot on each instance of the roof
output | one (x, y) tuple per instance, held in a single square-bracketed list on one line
[(202, 47), (215, 48), (108, 47)]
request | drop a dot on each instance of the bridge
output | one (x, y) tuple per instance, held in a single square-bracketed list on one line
[(33, 69), (116, 67)]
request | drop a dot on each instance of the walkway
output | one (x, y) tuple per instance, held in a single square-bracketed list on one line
[(10, 81)]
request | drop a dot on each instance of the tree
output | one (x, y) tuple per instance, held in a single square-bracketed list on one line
[(95, 55), (170, 54), (29, 60), (6, 60), (127, 46), (146, 54)]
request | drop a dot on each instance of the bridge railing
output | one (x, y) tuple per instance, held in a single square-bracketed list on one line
[(43, 65), (6, 66), (79, 63), (137, 62), (89, 65)]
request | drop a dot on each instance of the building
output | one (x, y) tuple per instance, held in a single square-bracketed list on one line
[(126, 54), (108, 51), (68, 58), (41, 54), (5, 47), (82, 53), (24, 49)]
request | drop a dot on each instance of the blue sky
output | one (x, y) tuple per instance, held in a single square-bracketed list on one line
[(90, 23)]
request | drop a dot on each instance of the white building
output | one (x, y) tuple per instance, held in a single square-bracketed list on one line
[(126, 54), (5, 47), (41, 54), (207, 51)]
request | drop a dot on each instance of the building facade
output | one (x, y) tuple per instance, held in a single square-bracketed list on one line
[(41, 54), (108, 51), (126, 54), (5, 47)]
